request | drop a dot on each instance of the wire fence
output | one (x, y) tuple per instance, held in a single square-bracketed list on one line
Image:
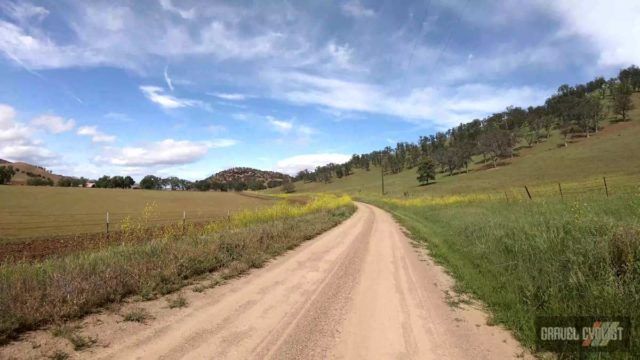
[(611, 185), (15, 225)]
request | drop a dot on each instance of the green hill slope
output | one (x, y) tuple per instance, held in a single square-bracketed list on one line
[(615, 150)]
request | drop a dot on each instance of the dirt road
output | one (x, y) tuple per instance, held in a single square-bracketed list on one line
[(359, 291)]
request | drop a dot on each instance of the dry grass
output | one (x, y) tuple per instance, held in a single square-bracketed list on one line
[(177, 302), (28, 211), (33, 294), (139, 315)]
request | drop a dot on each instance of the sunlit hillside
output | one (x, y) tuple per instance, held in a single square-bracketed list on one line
[(615, 150)]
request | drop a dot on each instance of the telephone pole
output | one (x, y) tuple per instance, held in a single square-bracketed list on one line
[(382, 177)]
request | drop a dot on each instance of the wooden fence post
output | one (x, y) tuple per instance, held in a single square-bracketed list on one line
[(107, 222), (184, 219), (606, 188), (528, 193), (560, 188), (506, 196)]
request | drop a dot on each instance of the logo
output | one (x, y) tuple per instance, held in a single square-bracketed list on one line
[(583, 333)]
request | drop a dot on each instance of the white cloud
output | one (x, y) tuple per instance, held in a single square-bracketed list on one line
[(611, 26), (282, 126), (23, 11), (17, 141), (113, 35), (156, 95), (356, 9), (444, 107), (96, 135), (165, 152), (167, 79), (221, 143), (297, 163), (185, 14), (53, 124), (229, 96)]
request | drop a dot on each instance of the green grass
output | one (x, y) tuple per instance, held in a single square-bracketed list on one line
[(27, 211), (177, 302), (613, 151), (139, 315), (528, 258), (34, 294)]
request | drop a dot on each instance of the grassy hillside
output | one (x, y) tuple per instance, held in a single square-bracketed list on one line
[(22, 169), (615, 150)]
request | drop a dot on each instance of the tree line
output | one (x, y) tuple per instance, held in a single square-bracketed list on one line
[(573, 111)]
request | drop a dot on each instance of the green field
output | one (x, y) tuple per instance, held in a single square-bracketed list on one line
[(528, 258), (614, 151), (29, 211)]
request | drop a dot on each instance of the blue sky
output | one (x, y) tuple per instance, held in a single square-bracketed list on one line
[(189, 88)]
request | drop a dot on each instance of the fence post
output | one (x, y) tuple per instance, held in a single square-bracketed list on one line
[(606, 188), (184, 219), (560, 188), (506, 196), (528, 193), (107, 222)]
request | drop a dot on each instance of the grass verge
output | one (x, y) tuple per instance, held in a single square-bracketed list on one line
[(528, 258), (33, 294)]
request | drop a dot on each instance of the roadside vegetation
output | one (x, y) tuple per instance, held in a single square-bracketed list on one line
[(33, 294), (525, 258)]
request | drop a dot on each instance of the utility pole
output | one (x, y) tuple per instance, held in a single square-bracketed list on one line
[(382, 177)]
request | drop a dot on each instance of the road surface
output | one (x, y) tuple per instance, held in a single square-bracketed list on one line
[(359, 291)]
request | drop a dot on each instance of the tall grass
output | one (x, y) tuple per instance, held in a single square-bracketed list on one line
[(529, 258), (32, 294)]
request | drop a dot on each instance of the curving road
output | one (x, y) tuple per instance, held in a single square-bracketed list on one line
[(359, 291)]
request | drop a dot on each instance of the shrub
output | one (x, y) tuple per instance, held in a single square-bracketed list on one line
[(139, 315)]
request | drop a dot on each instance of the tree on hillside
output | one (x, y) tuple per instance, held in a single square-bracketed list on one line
[(6, 173), (151, 182), (36, 181), (496, 143), (202, 185), (593, 113), (426, 171), (347, 169), (630, 77), (622, 100)]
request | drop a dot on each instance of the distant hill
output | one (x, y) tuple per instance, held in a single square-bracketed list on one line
[(250, 177), (25, 171)]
